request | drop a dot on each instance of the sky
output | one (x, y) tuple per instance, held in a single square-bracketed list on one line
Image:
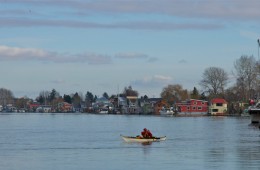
[(106, 45)]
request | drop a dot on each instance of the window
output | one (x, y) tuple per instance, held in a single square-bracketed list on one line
[(214, 110), (199, 108), (219, 104), (195, 103), (193, 108), (188, 108)]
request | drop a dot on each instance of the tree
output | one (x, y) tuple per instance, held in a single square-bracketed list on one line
[(195, 93), (105, 95), (6, 97), (173, 93), (146, 97), (246, 73), (128, 91), (43, 96), (21, 102), (89, 98), (95, 98), (53, 95), (232, 94), (67, 98), (203, 96), (76, 100), (214, 80)]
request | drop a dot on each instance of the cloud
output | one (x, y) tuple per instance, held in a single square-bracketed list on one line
[(229, 9), (131, 56), (152, 59), (58, 81), (31, 54), (154, 81), (182, 61), (140, 25)]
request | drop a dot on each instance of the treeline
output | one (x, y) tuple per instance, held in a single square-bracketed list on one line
[(53, 97), (245, 78)]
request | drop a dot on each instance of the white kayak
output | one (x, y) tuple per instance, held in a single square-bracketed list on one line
[(142, 140)]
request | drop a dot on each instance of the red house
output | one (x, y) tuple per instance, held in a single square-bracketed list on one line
[(33, 106), (64, 107), (193, 106)]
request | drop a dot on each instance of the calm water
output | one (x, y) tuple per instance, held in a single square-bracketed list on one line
[(86, 141)]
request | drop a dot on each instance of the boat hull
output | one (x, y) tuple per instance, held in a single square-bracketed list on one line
[(142, 140), (255, 115)]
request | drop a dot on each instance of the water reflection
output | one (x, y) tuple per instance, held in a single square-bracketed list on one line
[(255, 125), (146, 143)]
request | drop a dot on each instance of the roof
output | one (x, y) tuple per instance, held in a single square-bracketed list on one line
[(198, 100), (154, 99), (218, 100), (131, 97)]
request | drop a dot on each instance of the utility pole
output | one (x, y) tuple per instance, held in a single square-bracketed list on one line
[(258, 45), (258, 63)]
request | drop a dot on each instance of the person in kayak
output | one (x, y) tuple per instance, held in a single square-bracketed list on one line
[(146, 134)]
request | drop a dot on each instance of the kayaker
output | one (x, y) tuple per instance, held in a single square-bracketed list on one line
[(146, 133)]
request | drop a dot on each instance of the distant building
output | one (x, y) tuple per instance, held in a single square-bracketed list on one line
[(192, 106), (146, 106), (158, 105), (122, 105), (10, 108), (33, 106), (103, 105), (64, 107), (218, 107), (44, 109), (133, 107)]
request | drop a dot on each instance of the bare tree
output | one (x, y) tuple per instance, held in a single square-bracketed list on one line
[(21, 102), (246, 73), (214, 80), (6, 97), (43, 97)]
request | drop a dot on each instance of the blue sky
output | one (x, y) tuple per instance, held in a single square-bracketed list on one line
[(105, 45)]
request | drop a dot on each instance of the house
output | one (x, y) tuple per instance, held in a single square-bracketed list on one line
[(192, 106), (103, 105), (64, 107), (133, 107), (158, 105), (146, 106), (218, 107), (43, 109), (32, 106), (122, 105), (10, 108)]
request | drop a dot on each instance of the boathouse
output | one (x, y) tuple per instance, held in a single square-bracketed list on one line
[(218, 107), (192, 106)]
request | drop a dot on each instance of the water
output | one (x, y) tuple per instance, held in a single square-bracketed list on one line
[(87, 141)]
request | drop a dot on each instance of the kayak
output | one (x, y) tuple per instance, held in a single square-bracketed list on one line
[(142, 140)]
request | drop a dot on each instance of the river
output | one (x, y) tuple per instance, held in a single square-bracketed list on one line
[(88, 141)]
